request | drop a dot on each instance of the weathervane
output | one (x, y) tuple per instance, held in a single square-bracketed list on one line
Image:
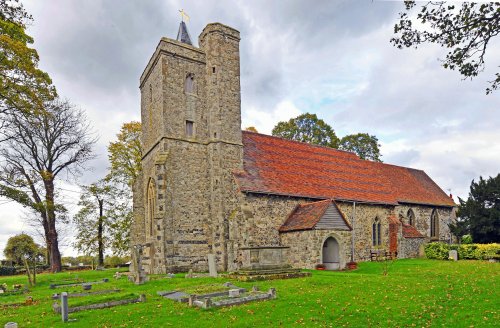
[(184, 16)]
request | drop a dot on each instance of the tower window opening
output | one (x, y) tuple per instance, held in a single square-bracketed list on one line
[(189, 128), (213, 69)]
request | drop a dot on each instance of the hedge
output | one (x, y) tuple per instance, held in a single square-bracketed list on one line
[(439, 251), (7, 271)]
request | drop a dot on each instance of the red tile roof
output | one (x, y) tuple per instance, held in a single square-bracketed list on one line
[(410, 231), (278, 166), (305, 216)]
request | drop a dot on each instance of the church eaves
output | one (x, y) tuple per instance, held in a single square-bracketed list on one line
[(183, 34)]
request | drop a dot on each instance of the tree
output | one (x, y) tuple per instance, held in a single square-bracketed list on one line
[(23, 250), (125, 154), (23, 87), (40, 147), (307, 128), (251, 129), (481, 211), (90, 220), (466, 31), (364, 145)]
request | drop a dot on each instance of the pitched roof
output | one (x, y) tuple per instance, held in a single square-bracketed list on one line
[(279, 166), (305, 216), (309, 216), (410, 231)]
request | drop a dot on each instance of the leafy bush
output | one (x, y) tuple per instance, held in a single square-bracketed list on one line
[(114, 261), (438, 251), (467, 252), (466, 239), (7, 271), (487, 251)]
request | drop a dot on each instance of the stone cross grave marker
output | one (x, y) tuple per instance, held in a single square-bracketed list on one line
[(212, 268), (453, 255)]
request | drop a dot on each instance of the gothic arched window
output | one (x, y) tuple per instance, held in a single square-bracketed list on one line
[(376, 234), (434, 224), (189, 83), (411, 217), (150, 209)]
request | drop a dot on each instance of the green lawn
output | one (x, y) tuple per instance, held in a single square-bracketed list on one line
[(420, 293)]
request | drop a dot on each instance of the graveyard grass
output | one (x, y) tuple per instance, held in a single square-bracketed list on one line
[(416, 292)]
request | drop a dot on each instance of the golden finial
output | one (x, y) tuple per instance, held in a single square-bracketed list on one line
[(184, 16)]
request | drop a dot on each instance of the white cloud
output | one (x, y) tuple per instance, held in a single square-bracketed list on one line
[(265, 120)]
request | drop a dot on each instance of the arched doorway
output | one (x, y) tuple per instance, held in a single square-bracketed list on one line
[(331, 256)]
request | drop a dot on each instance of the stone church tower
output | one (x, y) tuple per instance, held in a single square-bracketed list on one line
[(192, 144)]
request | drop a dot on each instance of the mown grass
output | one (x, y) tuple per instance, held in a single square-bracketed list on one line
[(415, 293)]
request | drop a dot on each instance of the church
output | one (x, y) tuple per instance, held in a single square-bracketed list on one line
[(207, 187)]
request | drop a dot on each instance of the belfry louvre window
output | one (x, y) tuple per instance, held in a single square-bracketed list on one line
[(189, 128), (376, 235)]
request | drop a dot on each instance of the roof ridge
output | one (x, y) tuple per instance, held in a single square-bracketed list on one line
[(303, 143)]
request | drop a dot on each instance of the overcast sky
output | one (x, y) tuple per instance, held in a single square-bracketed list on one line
[(332, 58)]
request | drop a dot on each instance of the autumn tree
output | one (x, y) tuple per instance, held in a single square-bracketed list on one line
[(125, 154), (465, 29), (39, 149), (480, 213), (251, 129), (23, 250), (307, 128), (364, 145), (23, 87)]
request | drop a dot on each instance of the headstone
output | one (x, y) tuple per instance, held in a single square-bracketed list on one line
[(191, 299), (1, 291), (272, 292), (255, 288), (105, 280), (234, 293), (212, 268), (189, 274), (87, 286), (80, 264), (207, 303), (11, 325), (453, 255), (64, 306)]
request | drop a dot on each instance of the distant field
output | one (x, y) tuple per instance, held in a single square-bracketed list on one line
[(420, 293)]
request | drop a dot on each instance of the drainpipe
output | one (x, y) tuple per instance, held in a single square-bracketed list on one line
[(352, 234)]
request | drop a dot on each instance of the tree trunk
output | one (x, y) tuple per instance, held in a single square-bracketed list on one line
[(26, 265), (99, 235), (52, 243), (34, 273)]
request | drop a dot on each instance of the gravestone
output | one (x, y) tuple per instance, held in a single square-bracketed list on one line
[(140, 275), (234, 293), (453, 255), (11, 325), (212, 268), (64, 306)]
